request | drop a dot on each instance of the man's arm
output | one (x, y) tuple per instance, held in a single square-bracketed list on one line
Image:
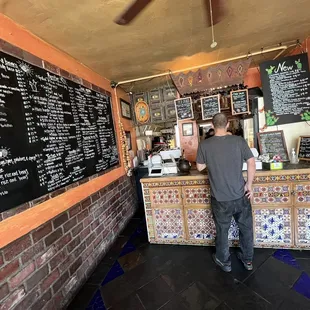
[(250, 177), (201, 167)]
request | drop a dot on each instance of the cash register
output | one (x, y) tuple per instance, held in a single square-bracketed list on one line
[(164, 163)]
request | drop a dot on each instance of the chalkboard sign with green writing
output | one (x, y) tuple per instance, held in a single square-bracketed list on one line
[(286, 88)]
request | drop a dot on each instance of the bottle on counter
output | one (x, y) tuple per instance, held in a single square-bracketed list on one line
[(294, 158)]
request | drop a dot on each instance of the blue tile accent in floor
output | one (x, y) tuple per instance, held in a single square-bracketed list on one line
[(96, 303), (114, 272), (302, 285), (286, 257), (128, 248)]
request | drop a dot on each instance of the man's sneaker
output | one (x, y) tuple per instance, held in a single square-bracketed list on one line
[(226, 268), (247, 266)]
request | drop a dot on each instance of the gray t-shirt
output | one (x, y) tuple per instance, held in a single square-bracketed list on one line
[(224, 156)]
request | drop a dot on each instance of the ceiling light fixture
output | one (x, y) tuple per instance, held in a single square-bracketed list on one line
[(214, 43)]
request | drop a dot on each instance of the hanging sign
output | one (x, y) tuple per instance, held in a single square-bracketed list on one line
[(210, 106), (239, 102), (184, 108), (286, 90)]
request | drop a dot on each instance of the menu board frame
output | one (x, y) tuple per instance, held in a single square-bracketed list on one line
[(259, 134), (298, 148), (247, 100), (286, 88), (202, 106), (176, 108), (50, 113)]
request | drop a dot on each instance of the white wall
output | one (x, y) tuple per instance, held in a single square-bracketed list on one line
[(291, 131)]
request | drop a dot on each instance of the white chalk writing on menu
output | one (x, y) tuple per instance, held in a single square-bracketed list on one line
[(272, 143), (286, 88), (304, 148), (239, 101), (210, 106), (184, 108), (53, 132)]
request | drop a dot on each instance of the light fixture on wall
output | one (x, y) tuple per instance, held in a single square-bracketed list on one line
[(214, 43)]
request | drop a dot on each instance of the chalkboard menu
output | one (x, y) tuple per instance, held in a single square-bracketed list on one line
[(273, 143), (303, 149), (239, 102), (53, 132), (184, 108), (286, 90), (210, 106)]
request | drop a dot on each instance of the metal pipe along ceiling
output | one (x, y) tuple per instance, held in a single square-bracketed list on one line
[(269, 50)]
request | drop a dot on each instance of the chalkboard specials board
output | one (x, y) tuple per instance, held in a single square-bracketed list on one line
[(286, 90), (303, 148), (273, 143), (239, 102), (184, 108), (53, 132), (210, 106)]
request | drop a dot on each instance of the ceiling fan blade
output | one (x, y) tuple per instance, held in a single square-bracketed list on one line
[(131, 12), (219, 10)]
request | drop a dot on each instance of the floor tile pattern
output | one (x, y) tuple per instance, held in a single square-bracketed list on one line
[(139, 276)]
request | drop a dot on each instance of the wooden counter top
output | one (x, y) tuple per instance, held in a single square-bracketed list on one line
[(195, 174)]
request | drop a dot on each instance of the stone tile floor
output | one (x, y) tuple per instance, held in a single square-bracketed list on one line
[(136, 275)]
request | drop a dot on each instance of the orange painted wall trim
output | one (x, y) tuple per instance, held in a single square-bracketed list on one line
[(20, 224)]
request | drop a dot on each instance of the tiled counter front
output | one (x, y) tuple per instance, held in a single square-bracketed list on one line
[(178, 210)]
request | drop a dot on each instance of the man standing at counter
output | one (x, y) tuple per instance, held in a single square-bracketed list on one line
[(224, 155)]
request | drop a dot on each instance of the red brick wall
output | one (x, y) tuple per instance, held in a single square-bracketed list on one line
[(45, 268)]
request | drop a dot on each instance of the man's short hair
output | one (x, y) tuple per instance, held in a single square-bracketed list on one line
[(219, 120)]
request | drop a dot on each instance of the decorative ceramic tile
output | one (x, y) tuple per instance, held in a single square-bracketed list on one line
[(302, 193), (169, 223), (281, 178), (303, 225), (274, 194), (273, 226), (169, 196), (201, 225), (197, 195)]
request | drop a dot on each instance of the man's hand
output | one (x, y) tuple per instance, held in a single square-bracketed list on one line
[(248, 191)]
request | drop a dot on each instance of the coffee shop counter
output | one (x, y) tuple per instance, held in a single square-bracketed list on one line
[(177, 209)]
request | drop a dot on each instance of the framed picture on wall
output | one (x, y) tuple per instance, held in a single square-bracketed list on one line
[(187, 129), (128, 138), (125, 109)]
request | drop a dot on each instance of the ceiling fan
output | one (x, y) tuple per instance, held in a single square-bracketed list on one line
[(215, 11)]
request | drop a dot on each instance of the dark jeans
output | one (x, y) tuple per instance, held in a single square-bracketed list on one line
[(223, 212)]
